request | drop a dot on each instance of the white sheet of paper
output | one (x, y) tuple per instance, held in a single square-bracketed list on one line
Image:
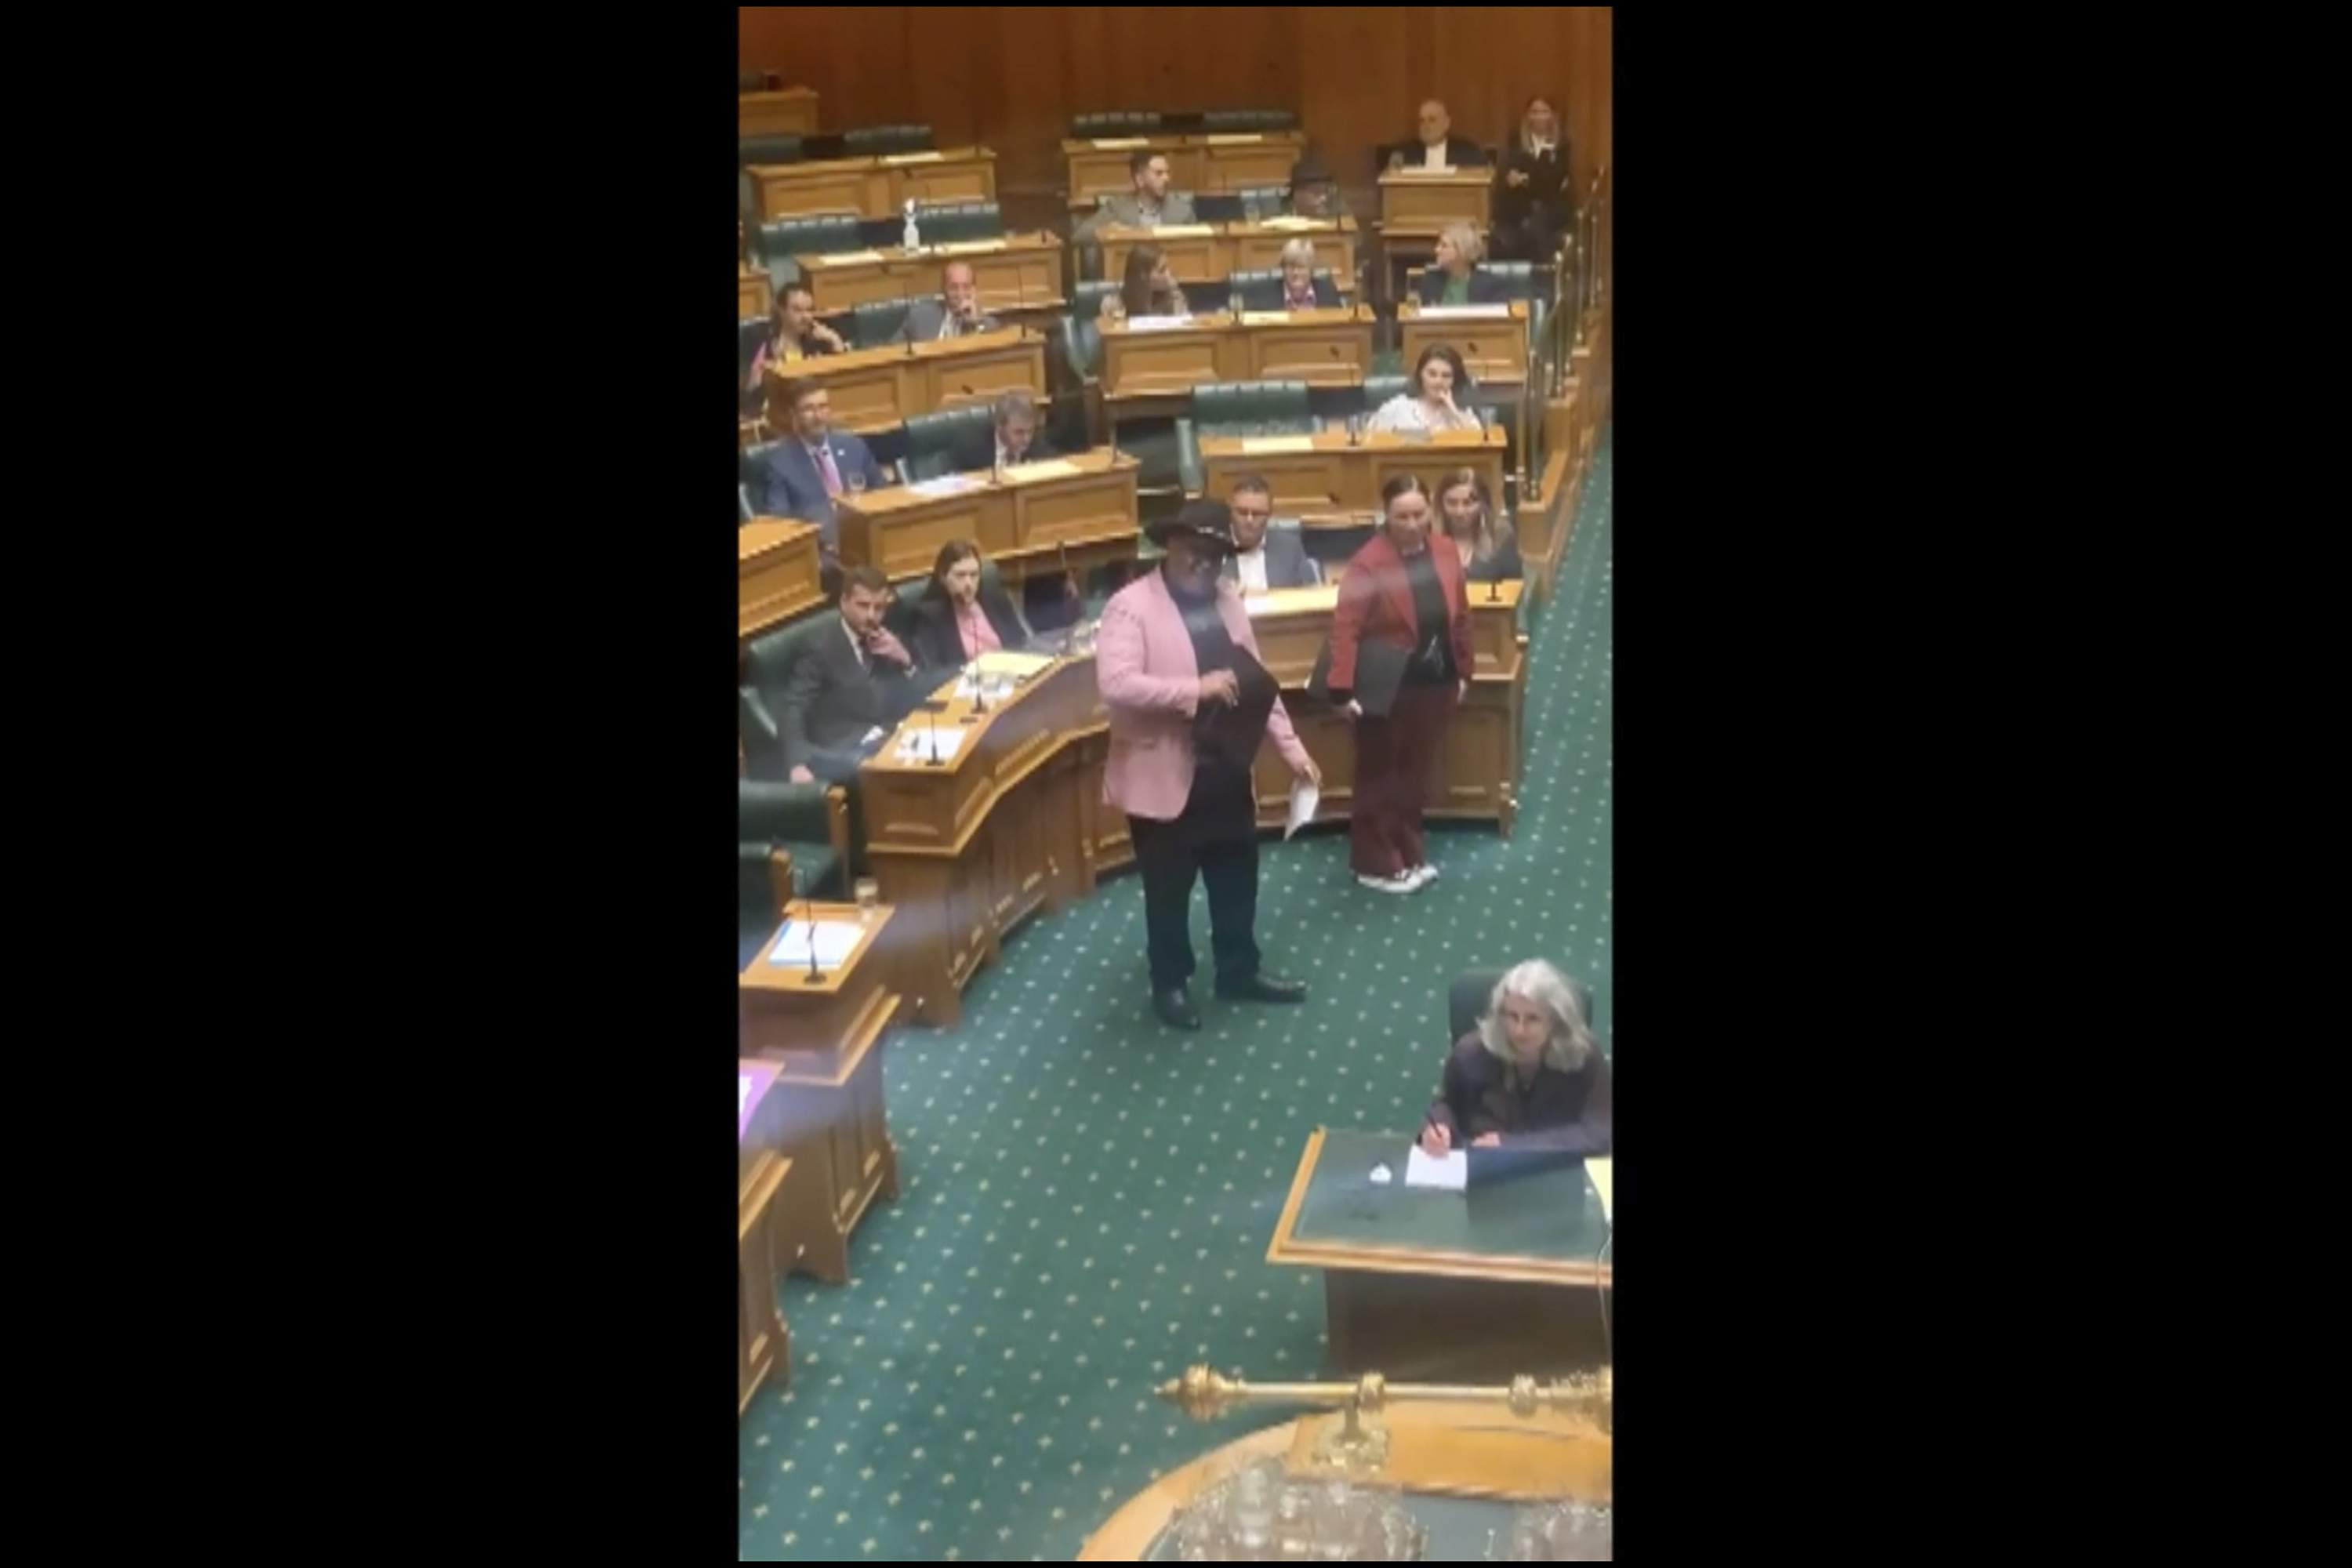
[(834, 941), (915, 744), (742, 1094), (1157, 323), (945, 485), (1447, 1173), (849, 257), (1304, 799), (1183, 230), (1463, 313), (901, 159), (1602, 1175)]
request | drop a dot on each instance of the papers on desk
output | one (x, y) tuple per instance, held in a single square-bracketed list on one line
[(1462, 312), (1156, 323), (897, 158), (1263, 318), (848, 256), (1052, 469), (1446, 1172), (742, 1094), (1119, 144), (1185, 230), (1236, 139), (964, 247), (1010, 664), (1267, 446), (920, 744), (945, 485), (1304, 799), (1291, 220), (1600, 1171), (834, 941)]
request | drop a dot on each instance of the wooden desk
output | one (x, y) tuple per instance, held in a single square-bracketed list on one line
[(882, 388), (776, 573), (1477, 1464), (826, 1037), (1212, 252), (1494, 348), (791, 111), (1019, 272), (1084, 504), (1321, 347), (1418, 203), (1447, 1286), (1322, 481), (874, 187), (752, 293), (1012, 820), (764, 1342), (1239, 162)]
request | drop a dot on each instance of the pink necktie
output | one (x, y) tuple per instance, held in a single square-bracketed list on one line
[(831, 475)]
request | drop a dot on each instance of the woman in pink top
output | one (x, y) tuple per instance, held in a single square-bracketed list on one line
[(954, 622)]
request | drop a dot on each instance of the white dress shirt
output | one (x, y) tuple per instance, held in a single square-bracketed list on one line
[(1249, 566)]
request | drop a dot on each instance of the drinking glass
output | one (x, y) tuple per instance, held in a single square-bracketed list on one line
[(869, 896)]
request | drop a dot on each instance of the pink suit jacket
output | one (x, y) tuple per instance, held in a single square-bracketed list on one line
[(1151, 684)]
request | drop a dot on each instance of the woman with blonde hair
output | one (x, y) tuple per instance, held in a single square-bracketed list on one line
[(1455, 277), (1531, 1075), (1490, 551), (1531, 201)]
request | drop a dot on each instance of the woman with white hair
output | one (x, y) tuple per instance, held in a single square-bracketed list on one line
[(1529, 1075), (1301, 289)]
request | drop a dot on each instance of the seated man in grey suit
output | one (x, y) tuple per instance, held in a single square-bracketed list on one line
[(956, 314), (808, 468), (850, 688), (1264, 557), (1152, 204)]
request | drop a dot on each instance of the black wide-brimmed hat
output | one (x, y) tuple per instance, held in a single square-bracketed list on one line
[(1310, 170), (1209, 520)]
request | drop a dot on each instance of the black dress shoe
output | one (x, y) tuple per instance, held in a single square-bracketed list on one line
[(1263, 988), (1176, 1009)]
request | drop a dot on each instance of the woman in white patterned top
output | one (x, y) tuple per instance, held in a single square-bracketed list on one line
[(1442, 382)]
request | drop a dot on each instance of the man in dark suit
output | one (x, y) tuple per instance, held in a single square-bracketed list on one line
[(850, 688), (1264, 557), (1438, 147), (809, 468), (955, 314)]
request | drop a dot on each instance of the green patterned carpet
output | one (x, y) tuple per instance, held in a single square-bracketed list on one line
[(1087, 1197)]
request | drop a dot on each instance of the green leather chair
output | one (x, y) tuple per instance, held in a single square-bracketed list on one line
[(774, 243), (883, 140), (774, 822), (1240, 121), (1261, 290), (1474, 988), (958, 223), (750, 81), (953, 440), (778, 147), (1260, 201), (1114, 124), (876, 321), (1239, 408)]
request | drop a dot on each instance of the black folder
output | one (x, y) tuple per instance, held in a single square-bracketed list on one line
[(1236, 733), (1380, 671)]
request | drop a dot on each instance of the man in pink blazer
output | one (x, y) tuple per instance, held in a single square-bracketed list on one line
[(1166, 655)]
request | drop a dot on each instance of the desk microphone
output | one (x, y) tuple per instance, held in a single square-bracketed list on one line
[(931, 731), (808, 915)]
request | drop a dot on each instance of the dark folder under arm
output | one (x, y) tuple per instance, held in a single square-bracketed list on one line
[(1380, 671), (1236, 733)]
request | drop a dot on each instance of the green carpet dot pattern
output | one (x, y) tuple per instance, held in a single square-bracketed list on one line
[(1087, 1197)]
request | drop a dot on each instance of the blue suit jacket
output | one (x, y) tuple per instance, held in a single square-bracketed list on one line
[(796, 490)]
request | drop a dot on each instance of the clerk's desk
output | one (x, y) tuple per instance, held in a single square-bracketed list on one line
[(1417, 205), (881, 389), (1212, 252), (1079, 511), (1013, 821), (1017, 272), (874, 187), (1324, 482), (1238, 161), (1149, 365)]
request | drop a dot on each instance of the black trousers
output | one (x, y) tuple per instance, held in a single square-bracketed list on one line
[(1215, 841)]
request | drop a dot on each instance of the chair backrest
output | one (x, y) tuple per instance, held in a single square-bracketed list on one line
[(1239, 121), (1114, 124), (881, 141), (751, 332), (1218, 207), (1261, 289), (1378, 389), (953, 440), (776, 147), (775, 244), (1466, 999), (751, 469), (953, 223), (1264, 202), (876, 321), (1251, 408), (1519, 278), (1087, 297)]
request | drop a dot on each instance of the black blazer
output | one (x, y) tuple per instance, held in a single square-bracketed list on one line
[(1326, 293), (1461, 152), (831, 700), (1503, 566), (1485, 289), (937, 644)]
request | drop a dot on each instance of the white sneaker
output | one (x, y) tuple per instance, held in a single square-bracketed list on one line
[(1422, 876), (1403, 883)]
